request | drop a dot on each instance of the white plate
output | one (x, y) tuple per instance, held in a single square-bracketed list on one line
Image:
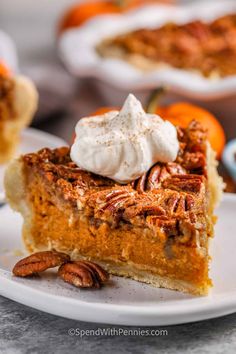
[(124, 302), (31, 140), (77, 50)]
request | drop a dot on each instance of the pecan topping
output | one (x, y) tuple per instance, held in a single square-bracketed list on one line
[(196, 137), (156, 175), (83, 274), (178, 203), (183, 230), (189, 202), (110, 204), (185, 183), (172, 190), (140, 184), (145, 207), (115, 200), (175, 203), (186, 231), (194, 162), (167, 225), (39, 262)]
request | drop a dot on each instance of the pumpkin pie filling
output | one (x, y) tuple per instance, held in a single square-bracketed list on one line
[(155, 229)]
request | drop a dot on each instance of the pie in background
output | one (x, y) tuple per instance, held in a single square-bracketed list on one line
[(206, 48), (18, 103)]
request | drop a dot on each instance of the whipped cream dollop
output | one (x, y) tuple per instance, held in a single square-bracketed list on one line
[(123, 145)]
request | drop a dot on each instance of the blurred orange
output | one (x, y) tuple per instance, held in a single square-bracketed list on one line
[(103, 110), (4, 70), (79, 13), (182, 113)]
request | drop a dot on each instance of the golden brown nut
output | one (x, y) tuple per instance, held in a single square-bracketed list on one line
[(39, 262), (83, 274)]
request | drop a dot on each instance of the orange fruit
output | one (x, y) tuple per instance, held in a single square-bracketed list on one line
[(4, 70), (182, 113)]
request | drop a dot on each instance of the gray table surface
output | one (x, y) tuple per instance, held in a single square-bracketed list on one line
[(26, 330)]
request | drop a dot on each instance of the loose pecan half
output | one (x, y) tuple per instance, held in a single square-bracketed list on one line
[(83, 274), (39, 262)]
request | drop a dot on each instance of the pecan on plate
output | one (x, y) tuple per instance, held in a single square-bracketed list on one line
[(83, 274), (39, 262)]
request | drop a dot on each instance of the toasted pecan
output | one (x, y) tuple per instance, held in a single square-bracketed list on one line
[(156, 175), (39, 262), (185, 183), (83, 274)]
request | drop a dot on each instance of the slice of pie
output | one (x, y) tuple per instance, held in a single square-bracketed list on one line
[(155, 229), (18, 103), (197, 46)]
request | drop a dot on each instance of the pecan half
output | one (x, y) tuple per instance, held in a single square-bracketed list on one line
[(185, 183), (195, 162), (165, 224), (197, 136), (156, 175), (144, 209), (178, 203), (83, 274), (189, 202), (39, 262), (115, 200)]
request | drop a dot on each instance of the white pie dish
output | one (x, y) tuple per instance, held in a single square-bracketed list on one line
[(77, 51)]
